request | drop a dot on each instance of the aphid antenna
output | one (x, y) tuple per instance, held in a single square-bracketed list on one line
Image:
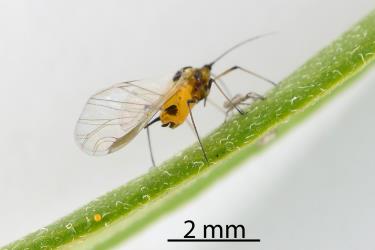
[(237, 46)]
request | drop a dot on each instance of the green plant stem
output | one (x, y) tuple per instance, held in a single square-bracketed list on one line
[(131, 207)]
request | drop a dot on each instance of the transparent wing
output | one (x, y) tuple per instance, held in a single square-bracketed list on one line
[(114, 116)]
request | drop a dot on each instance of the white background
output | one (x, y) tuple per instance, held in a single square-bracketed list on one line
[(314, 189)]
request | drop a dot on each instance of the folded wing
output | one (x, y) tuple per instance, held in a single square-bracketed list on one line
[(114, 116)]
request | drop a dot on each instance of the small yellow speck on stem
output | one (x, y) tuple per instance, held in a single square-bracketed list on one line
[(97, 217)]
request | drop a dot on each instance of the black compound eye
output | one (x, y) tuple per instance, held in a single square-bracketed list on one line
[(177, 76)]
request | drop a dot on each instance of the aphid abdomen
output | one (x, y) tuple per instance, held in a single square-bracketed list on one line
[(175, 110)]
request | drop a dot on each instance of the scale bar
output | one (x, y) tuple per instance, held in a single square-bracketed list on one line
[(213, 240)]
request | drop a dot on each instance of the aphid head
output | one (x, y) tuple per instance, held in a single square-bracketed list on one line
[(203, 75), (200, 75)]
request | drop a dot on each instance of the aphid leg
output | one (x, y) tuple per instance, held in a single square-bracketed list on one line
[(240, 100), (149, 138), (195, 129), (153, 121), (149, 146), (223, 85), (254, 96), (246, 71), (226, 97)]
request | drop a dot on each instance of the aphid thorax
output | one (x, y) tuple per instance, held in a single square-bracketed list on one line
[(193, 86)]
